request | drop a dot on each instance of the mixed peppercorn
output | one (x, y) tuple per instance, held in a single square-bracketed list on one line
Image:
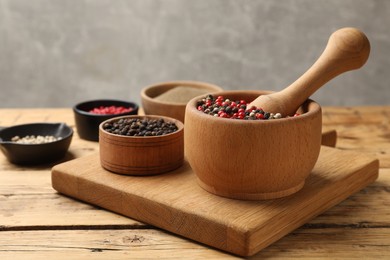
[(110, 110), (140, 127), (225, 108)]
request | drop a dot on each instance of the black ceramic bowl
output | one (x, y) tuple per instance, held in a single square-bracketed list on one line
[(87, 124), (35, 153)]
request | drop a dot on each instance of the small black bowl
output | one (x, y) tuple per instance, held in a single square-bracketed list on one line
[(18, 153), (87, 124)]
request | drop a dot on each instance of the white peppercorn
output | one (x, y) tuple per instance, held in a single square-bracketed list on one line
[(32, 139)]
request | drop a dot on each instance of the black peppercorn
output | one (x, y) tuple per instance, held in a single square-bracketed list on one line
[(138, 127)]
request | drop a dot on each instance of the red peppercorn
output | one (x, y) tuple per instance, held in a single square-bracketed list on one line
[(241, 115), (259, 116), (111, 110), (223, 114)]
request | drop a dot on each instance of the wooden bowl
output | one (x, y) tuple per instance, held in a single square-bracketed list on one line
[(252, 160), (141, 155), (153, 106)]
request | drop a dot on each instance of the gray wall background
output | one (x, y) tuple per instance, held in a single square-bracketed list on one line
[(55, 53)]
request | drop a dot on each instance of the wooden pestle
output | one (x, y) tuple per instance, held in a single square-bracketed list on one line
[(347, 49)]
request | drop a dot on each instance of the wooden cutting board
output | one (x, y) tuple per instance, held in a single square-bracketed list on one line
[(175, 202)]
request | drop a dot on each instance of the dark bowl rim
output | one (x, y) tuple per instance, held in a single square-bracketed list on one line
[(63, 138), (132, 104)]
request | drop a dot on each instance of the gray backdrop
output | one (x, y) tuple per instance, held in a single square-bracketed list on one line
[(55, 53)]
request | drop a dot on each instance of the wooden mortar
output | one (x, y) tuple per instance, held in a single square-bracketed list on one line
[(252, 159)]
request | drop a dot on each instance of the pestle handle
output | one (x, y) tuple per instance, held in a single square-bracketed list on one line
[(347, 49)]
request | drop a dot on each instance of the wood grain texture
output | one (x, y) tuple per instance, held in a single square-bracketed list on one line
[(329, 138), (363, 129), (21, 188), (142, 155), (59, 227), (176, 203), (103, 244), (356, 228), (304, 243)]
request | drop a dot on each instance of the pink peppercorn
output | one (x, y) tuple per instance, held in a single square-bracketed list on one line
[(110, 110)]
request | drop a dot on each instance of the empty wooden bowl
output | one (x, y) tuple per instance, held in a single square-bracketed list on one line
[(152, 105), (252, 159), (141, 155)]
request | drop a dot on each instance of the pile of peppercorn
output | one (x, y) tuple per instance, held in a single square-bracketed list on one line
[(140, 127), (32, 139), (111, 110), (225, 108)]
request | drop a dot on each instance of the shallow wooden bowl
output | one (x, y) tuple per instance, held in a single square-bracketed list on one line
[(252, 160), (152, 106), (141, 155)]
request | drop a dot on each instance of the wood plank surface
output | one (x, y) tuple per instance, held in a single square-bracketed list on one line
[(304, 243), (174, 202), (364, 129), (356, 228)]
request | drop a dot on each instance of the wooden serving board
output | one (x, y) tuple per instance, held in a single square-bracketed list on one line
[(175, 202)]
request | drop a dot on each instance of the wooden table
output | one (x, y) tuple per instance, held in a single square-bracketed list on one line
[(37, 222)]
